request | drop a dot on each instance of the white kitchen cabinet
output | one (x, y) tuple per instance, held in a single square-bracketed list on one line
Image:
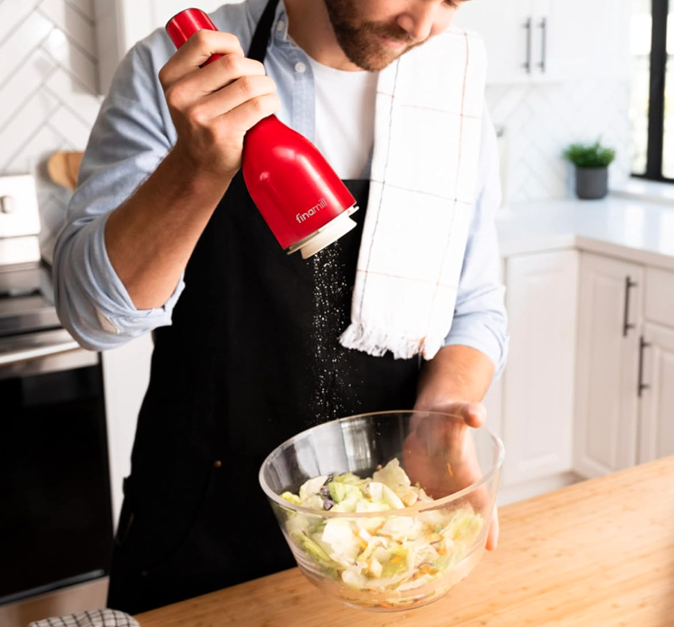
[(656, 391), (549, 40), (538, 386), (126, 374), (507, 28), (656, 384), (607, 408), (583, 39)]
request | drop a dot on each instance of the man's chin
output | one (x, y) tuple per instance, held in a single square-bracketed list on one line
[(379, 62)]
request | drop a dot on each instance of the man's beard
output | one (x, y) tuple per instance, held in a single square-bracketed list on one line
[(361, 41)]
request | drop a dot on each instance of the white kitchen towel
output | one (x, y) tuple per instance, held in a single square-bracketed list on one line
[(428, 121), (95, 618)]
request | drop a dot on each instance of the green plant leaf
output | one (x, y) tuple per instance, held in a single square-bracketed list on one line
[(589, 155)]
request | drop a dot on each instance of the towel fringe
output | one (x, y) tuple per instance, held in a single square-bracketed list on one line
[(377, 342)]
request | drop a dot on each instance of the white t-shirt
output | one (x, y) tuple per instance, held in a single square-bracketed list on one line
[(344, 131)]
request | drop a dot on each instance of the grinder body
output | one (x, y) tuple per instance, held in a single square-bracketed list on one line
[(302, 200)]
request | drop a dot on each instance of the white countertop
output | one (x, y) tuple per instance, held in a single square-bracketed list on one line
[(639, 230)]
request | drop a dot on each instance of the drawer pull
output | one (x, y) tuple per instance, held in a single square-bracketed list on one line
[(528, 27), (641, 385), (627, 325), (544, 45)]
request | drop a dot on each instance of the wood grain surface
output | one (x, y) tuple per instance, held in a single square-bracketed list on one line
[(596, 554)]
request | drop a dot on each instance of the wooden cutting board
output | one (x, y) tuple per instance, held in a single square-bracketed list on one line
[(63, 168), (596, 554)]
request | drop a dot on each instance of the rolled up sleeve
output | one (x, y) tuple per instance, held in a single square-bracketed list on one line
[(131, 136), (480, 319)]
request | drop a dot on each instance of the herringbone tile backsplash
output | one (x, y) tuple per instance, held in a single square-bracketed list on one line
[(49, 101), (541, 120), (48, 91)]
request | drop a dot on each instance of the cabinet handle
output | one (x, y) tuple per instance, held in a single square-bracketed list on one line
[(527, 26), (642, 386), (629, 284), (544, 44)]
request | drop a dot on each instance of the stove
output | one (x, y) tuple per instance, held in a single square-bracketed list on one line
[(29, 327), (55, 496)]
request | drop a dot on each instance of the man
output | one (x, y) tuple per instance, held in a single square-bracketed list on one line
[(253, 354)]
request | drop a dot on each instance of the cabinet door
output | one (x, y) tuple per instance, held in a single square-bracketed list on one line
[(577, 39), (550, 40), (657, 399), (126, 374), (507, 28), (539, 380), (607, 367)]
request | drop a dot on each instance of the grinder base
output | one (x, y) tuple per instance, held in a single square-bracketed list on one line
[(326, 235)]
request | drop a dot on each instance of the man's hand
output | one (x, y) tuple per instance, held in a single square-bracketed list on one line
[(440, 454), (151, 236), (213, 107)]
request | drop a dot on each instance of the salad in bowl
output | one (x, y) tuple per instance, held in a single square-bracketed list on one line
[(377, 539)]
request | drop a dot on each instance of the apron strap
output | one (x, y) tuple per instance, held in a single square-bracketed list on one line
[(258, 47)]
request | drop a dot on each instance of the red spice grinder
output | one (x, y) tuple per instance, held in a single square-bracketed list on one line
[(302, 200)]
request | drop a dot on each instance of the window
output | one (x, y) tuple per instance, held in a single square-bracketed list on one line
[(652, 105)]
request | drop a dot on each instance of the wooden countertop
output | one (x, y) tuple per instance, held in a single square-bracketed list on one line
[(598, 553)]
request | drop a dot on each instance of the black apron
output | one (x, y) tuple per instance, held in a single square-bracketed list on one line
[(252, 358)]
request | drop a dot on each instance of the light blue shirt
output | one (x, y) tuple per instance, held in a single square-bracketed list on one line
[(134, 132)]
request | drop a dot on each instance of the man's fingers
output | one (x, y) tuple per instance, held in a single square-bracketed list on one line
[(196, 51), (211, 79), (493, 533), (474, 414), (223, 71), (247, 115), (203, 111), (435, 427), (437, 434)]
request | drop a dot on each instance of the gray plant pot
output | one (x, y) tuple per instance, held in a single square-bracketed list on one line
[(591, 183)]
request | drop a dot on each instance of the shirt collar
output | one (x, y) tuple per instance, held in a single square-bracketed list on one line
[(280, 27)]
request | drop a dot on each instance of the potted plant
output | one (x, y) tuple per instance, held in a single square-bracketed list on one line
[(591, 161)]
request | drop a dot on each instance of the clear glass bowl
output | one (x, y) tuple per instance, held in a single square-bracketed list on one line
[(422, 550)]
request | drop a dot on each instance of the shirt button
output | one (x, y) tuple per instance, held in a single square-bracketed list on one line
[(300, 68), (280, 25)]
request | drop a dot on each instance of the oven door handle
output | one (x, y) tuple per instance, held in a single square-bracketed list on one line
[(37, 352)]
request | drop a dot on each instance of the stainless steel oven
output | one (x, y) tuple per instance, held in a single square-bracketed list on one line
[(55, 512)]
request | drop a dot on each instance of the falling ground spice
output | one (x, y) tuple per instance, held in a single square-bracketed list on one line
[(332, 304)]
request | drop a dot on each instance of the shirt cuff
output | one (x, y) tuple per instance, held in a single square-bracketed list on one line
[(115, 310), (480, 334)]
